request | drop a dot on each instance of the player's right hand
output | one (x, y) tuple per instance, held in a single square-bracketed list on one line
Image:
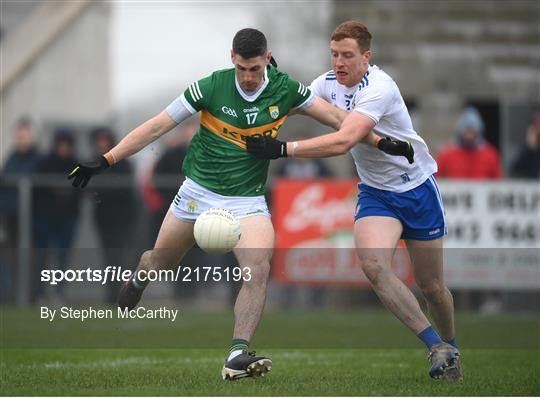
[(397, 148), (266, 147), (84, 171)]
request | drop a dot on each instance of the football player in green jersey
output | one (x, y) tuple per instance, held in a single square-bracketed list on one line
[(252, 99)]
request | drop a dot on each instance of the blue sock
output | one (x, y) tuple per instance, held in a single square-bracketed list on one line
[(452, 342), (429, 337)]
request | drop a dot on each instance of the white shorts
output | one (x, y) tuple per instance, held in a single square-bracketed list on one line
[(192, 199)]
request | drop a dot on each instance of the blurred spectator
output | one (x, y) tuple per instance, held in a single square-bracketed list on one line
[(166, 178), (527, 163), (471, 157), (169, 165), (56, 209), (115, 211), (21, 162), (24, 158)]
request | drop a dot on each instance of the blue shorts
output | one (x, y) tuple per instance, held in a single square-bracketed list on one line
[(419, 210)]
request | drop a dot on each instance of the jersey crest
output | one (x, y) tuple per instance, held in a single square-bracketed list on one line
[(274, 111)]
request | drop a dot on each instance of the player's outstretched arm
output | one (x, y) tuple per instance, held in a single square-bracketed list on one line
[(132, 143), (353, 129), (332, 116), (142, 136)]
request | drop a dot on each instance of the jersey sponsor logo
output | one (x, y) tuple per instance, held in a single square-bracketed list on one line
[(274, 111), (435, 231), (252, 109), (228, 111), (237, 135)]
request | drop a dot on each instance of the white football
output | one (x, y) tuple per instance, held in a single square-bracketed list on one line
[(217, 231)]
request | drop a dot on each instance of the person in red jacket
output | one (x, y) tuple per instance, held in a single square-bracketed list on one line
[(471, 157)]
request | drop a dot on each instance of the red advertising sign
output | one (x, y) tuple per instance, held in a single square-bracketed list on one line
[(314, 222)]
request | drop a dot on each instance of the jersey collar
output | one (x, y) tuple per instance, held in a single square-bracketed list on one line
[(254, 96)]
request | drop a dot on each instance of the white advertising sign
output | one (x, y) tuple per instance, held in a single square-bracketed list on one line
[(493, 239)]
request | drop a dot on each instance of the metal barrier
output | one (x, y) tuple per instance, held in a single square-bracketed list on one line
[(25, 186)]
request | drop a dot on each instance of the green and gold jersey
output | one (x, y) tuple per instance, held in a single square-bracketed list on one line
[(217, 158)]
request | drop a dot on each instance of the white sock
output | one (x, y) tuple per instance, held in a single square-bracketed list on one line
[(234, 354)]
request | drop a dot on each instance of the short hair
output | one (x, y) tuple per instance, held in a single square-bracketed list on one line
[(249, 43), (354, 30)]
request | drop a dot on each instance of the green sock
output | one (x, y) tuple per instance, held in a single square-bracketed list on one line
[(238, 344)]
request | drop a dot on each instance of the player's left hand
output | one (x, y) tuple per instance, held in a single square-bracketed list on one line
[(397, 148), (83, 172), (266, 147)]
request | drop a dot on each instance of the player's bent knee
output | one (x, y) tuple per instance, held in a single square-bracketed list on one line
[(433, 292), (258, 272), (373, 270)]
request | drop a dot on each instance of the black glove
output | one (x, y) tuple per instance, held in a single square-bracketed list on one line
[(266, 147), (397, 148), (84, 171)]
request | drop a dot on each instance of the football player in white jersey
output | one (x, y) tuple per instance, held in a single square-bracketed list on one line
[(397, 199)]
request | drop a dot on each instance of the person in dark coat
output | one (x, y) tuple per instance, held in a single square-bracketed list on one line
[(115, 209), (56, 209), (527, 163)]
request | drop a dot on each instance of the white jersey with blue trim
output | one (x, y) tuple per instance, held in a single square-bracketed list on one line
[(378, 97)]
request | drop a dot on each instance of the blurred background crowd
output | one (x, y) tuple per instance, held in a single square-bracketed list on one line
[(77, 76)]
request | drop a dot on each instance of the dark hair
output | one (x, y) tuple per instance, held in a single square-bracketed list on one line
[(63, 134), (249, 43), (102, 131), (354, 30)]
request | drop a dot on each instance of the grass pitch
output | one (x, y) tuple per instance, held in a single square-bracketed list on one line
[(501, 356)]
